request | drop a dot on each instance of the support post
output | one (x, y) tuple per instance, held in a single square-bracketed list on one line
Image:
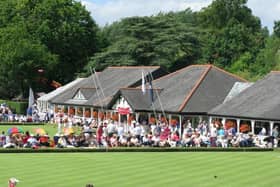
[(200, 119), (271, 127), (238, 125), (149, 117), (253, 126), (127, 125), (91, 113), (224, 122), (169, 119), (180, 126), (119, 119), (209, 121), (84, 112), (137, 116), (111, 114), (76, 110)]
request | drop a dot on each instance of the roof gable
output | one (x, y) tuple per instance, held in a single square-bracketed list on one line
[(211, 91), (176, 86), (107, 84), (137, 99)]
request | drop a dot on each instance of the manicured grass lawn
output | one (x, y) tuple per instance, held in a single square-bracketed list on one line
[(180, 169), (51, 129)]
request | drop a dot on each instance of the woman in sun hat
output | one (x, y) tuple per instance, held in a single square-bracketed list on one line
[(12, 182)]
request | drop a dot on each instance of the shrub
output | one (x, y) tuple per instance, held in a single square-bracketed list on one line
[(16, 107)]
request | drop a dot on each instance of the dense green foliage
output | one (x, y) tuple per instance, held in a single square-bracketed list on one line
[(225, 33), (232, 33), (55, 36), (179, 169), (21, 55), (60, 38), (169, 40)]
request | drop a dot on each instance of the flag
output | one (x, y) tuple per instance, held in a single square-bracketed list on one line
[(151, 92), (30, 101), (143, 83), (30, 98)]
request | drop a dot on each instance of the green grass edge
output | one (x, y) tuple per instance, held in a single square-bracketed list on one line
[(78, 150)]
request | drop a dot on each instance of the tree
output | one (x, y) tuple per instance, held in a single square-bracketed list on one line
[(64, 26), (267, 59), (276, 28), (67, 29), (230, 31), (57, 32), (168, 40), (21, 56)]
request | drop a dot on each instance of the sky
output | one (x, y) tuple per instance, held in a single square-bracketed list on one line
[(107, 11)]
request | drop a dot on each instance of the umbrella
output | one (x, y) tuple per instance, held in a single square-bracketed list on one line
[(15, 130), (68, 131), (40, 131)]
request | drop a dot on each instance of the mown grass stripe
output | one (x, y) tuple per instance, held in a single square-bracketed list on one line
[(142, 169)]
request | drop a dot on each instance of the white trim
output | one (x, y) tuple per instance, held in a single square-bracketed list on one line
[(79, 96)]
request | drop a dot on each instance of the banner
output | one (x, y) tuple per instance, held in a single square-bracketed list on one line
[(123, 111)]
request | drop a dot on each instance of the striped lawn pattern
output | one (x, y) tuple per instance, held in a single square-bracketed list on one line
[(180, 169)]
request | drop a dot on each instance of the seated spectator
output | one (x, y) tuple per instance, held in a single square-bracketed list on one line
[(234, 142), (123, 140), (134, 141), (10, 142), (259, 143), (71, 140), (31, 142), (250, 140), (205, 142), (155, 140), (174, 139), (44, 140), (197, 140), (147, 141), (18, 140), (2, 139), (62, 142), (222, 141), (186, 141), (25, 137), (242, 140), (114, 141)]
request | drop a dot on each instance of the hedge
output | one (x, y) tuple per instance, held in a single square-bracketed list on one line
[(16, 106), (132, 149)]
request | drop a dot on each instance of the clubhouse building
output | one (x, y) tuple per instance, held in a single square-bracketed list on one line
[(147, 94)]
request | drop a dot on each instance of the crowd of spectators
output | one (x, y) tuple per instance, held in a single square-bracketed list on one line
[(109, 133)]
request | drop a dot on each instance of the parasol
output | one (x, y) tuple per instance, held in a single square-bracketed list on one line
[(40, 131), (15, 130), (68, 131)]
